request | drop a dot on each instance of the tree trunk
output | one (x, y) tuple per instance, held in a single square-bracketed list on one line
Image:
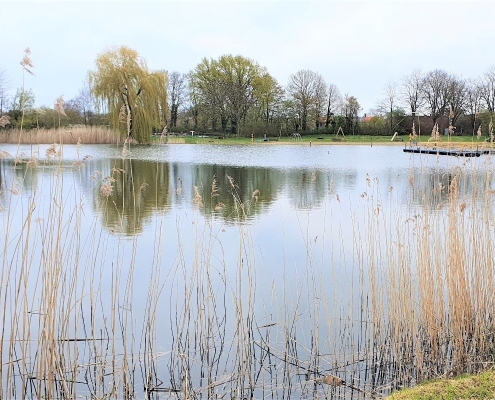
[(130, 122), (233, 125), (304, 119), (327, 122), (195, 117), (224, 121), (173, 115), (391, 120)]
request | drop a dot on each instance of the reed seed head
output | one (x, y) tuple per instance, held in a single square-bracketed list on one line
[(106, 190), (53, 151), (59, 106), (4, 120), (26, 62)]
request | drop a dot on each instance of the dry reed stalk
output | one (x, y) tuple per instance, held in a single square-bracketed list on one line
[(56, 288), (420, 297), (84, 135), (26, 65)]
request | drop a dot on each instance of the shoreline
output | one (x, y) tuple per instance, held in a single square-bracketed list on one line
[(324, 143)]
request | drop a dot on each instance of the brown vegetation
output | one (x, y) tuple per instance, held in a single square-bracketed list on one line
[(66, 135)]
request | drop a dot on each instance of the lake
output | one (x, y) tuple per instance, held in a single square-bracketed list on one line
[(209, 271)]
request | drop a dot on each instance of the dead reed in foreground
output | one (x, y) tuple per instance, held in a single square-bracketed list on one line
[(66, 135), (90, 314)]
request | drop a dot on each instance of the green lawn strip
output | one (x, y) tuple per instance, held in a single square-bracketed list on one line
[(319, 139), (480, 386)]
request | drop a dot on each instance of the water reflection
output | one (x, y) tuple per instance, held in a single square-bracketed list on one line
[(23, 174), (226, 192), (142, 188), (139, 190), (307, 189), (235, 193), (431, 190), (307, 267)]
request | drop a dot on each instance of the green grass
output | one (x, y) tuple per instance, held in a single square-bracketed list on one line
[(314, 139), (463, 387)]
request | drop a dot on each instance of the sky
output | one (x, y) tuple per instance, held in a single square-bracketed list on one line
[(359, 46)]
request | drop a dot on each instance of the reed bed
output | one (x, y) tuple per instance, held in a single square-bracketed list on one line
[(91, 313), (66, 135)]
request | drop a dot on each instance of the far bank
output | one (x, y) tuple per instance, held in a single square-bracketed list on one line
[(105, 135)]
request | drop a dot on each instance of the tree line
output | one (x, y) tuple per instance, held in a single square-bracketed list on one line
[(234, 95)]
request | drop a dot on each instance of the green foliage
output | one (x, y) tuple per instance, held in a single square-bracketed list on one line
[(485, 118), (377, 125), (269, 97), (135, 97), (23, 100), (229, 88), (336, 122)]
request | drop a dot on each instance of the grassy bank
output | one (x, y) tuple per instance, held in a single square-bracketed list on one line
[(315, 140), (480, 386)]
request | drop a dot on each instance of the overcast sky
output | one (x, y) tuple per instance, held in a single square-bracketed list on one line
[(360, 46)]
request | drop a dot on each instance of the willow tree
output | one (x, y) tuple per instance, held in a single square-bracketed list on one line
[(135, 97)]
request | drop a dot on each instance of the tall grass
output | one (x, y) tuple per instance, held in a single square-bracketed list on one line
[(85, 316)]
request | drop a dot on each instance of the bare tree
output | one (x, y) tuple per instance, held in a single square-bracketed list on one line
[(435, 93), (177, 88), (334, 102), (4, 86), (320, 100), (86, 101), (83, 104), (411, 90), (304, 87), (388, 104), (487, 89), (472, 102), (456, 97)]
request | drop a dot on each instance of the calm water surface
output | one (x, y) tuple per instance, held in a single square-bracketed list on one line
[(287, 220)]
